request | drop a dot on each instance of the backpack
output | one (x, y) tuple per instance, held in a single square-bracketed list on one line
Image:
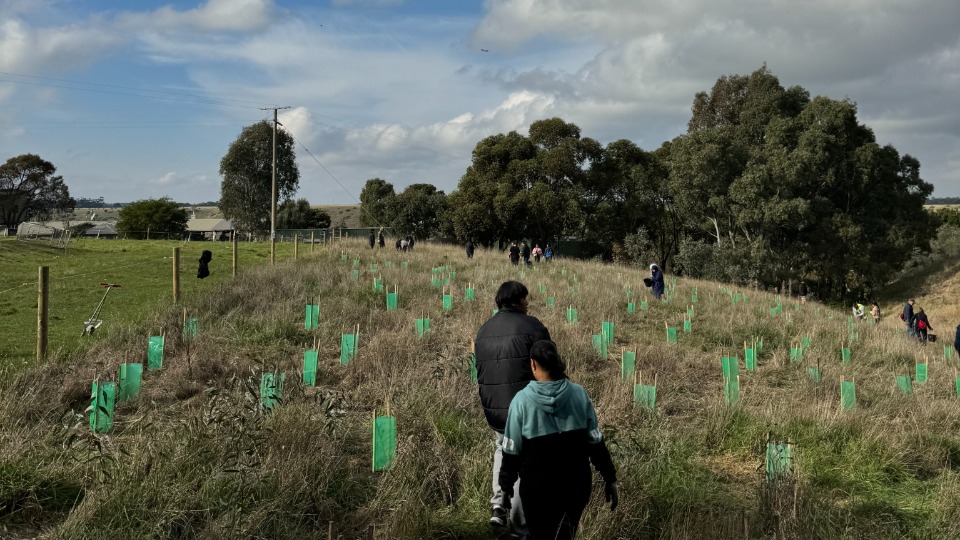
[(902, 318), (921, 325)]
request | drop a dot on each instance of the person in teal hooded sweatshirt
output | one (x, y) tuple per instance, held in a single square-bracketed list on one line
[(551, 437)]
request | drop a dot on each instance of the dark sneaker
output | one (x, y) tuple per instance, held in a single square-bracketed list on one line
[(498, 517)]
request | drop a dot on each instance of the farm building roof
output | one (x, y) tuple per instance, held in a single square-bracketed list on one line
[(209, 224)]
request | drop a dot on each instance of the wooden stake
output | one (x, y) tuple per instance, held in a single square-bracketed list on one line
[(43, 311), (330, 530)]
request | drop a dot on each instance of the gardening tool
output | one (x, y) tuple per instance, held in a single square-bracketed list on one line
[(93, 322)]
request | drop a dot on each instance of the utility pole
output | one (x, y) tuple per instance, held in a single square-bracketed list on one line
[(273, 190)]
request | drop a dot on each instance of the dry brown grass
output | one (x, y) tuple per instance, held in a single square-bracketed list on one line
[(195, 457)]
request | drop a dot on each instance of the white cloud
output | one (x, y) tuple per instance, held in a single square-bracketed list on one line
[(39, 50), (214, 15), (166, 179)]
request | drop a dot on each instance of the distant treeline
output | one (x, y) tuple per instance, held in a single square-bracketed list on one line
[(86, 202), (943, 200)]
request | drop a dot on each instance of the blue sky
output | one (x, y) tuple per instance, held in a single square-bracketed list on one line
[(133, 100)]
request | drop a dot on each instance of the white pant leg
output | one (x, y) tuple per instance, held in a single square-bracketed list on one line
[(518, 523)]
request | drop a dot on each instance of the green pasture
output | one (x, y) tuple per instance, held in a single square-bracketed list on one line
[(144, 269)]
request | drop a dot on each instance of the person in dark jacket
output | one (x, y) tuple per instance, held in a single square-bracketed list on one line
[(203, 270), (550, 439), (469, 248), (803, 292), (514, 253), (381, 239), (907, 316), (956, 341), (922, 325), (502, 351), (657, 277), (373, 239), (525, 253)]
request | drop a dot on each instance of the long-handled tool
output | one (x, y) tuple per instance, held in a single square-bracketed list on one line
[(93, 322)]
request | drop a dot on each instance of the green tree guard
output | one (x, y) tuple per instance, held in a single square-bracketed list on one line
[(310, 361), (600, 345), (796, 353), (956, 385), (690, 313), (389, 264), (384, 442), (607, 331), (644, 305), (447, 302), (451, 276), (190, 328), (343, 256), (750, 358), (102, 401), (628, 363), (271, 389), (693, 298), (845, 355), (377, 284), (805, 342), (155, 353), (355, 274), (948, 352), (405, 264), (629, 295), (848, 395), (779, 462), (423, 325), (645, 395), (687, 326), (672, 334), (470, 294), (312, 318), (904, 384), (436, 282), (542, 288), (814, 374), (374, 268), (731, 379), (392, 301), (473, 367), (348, 348), (921, 372), (631, 307), (551, 302), (130, 379), (572, 316), (356, 263)]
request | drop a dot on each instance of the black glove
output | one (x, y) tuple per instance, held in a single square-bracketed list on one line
[(611, 495), (507, 501)]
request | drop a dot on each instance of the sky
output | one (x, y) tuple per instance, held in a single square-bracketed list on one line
[(136, 100)]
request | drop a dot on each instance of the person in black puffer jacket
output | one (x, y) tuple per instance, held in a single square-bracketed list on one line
[(503, 368)]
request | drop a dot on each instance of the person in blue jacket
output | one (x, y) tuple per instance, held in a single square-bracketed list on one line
[(657, 277), (550, 439)]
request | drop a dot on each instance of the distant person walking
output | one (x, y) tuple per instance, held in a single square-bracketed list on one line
[(525, 253), (907, 316), (537, 253), (803, 292), (404, 245), (875, 312), (551, 436), (656, 276), (382, 240), (548, 254), (922, 325), (503, 368), (514, 253), (469, 248), (373, 239)]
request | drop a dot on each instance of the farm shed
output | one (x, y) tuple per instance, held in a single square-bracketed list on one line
[(209, 229)]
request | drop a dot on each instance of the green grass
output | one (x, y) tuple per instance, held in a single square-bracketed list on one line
[(195, 457), (142, 268)]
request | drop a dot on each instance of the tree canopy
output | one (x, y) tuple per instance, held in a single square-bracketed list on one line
[(299, 214), (245, 191), (155, 215), (30, 189), (377, 201)]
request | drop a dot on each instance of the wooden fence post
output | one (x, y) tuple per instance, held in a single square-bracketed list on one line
[(234, 254), (176, 275), (43, 311), (296, 246)]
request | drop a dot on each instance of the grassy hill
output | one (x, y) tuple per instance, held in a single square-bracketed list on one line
[(346, 214), (195, 456)]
